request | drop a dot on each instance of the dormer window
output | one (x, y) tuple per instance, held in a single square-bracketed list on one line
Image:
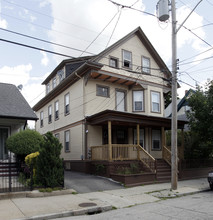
[(47, 88), (127, 59), (60, 74), (54, 82)]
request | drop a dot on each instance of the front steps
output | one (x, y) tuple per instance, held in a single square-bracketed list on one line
[(163, 171)]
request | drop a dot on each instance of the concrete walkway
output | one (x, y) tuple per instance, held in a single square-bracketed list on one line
[(35, 205)]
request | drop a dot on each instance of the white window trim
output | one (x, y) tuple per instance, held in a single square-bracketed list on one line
[(65, 141), (41, 119), (134, 91), (56, 109), (50, 114), (66, 112), (152, 107), (123, 60), (146, 69)]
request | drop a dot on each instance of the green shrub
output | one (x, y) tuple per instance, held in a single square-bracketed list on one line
[(49, 169), (24, 142)]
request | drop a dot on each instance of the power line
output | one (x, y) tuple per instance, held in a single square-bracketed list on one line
[(130, 7), (100, 33), (42, 40), (114, 28), (35, 48)]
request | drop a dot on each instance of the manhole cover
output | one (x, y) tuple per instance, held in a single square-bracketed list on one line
[(87, 204)]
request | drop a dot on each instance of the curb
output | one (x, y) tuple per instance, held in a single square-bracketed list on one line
[(85, 211), (35, 194), (175, 195)]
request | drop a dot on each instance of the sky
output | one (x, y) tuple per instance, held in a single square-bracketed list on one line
[(86, 27)]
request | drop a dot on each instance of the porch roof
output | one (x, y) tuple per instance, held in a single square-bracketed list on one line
[(131, 119)]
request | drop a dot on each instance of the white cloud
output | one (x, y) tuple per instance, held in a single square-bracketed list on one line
[(45, 59), (15, 75), (3, 23), (43, 3), (33, 92)]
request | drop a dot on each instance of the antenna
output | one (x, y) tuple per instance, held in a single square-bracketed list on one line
[(163, 10), (20, 87)]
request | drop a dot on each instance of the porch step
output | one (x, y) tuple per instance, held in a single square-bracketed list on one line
[(163, 171)]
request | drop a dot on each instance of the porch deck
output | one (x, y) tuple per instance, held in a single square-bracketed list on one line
[(123, 152)]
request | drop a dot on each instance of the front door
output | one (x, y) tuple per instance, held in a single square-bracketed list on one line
[(3, 138)]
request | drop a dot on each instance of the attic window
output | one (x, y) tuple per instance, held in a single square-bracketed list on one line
[(127, 59), (60, 74), (47, 88), (145, 65), (113, 62)]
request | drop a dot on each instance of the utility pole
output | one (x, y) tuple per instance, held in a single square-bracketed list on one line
[(163, 15), (174, 178)]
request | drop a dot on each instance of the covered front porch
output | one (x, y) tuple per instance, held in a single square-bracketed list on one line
[(131, 137)]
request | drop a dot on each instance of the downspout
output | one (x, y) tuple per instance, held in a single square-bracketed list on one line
[(25, 124)]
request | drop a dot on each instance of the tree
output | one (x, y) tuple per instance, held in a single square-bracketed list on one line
[(201, 122), (24, 142), (49, 170)]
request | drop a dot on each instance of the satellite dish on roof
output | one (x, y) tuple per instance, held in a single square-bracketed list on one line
[(20, 87)]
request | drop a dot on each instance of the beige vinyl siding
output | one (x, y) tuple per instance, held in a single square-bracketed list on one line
[(138, 50)]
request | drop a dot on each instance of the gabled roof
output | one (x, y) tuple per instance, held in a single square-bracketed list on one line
[(184, 101), (180, 103), (138, 31), (13, 104)]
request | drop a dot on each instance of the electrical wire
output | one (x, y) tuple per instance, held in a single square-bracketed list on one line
[(35, 48), (99, 33), (42, 40), (114, 28)]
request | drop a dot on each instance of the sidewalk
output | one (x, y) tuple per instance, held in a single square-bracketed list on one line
[(71, 204)]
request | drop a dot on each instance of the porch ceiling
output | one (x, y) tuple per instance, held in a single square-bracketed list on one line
[(113, 78), (131, 119)]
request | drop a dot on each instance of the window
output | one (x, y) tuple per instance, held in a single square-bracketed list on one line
[(138, 101), (127, 59), (50, 114), (42, 119), (67, 141), (54, 82), (60, 74), (120, 100), (56, 110), (57, 136), (67, 104), (145, 65), (102, 91), (155, 96), (156, 140), (141, 137), (47, 88), (113, 62)]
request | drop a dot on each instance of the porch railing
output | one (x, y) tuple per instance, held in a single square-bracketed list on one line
[(147, 159), (167, 155), (124, 152)]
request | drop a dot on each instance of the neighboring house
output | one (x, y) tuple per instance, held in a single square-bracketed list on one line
[(112, 101), (182, 106), (14, 113)]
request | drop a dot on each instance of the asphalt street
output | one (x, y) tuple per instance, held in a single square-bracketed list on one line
[(197, 206), (85, 183)]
